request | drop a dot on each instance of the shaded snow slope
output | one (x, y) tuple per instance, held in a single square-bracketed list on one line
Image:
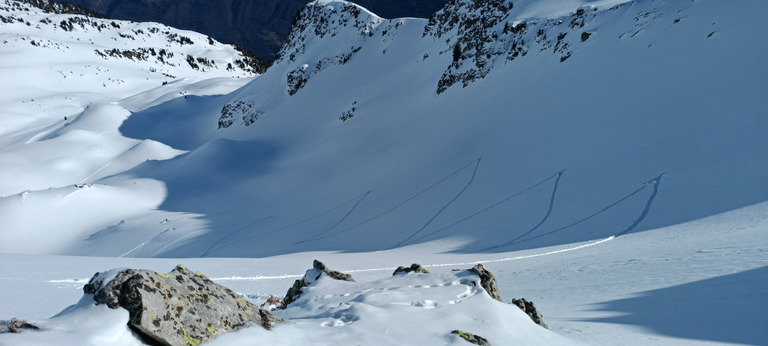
[(368, 134)]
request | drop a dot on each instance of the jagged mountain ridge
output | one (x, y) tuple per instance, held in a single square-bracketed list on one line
[(84, 24), (261, 26)]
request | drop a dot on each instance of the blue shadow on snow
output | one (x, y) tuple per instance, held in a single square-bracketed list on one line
[(729, 308)]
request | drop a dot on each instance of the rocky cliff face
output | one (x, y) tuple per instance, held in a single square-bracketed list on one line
[(483, 34), (477, 35)]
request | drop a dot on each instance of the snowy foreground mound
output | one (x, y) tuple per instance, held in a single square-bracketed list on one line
[(406, 309)]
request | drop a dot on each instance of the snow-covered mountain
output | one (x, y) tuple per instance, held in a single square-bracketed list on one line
[(550, 125), (597, 135)]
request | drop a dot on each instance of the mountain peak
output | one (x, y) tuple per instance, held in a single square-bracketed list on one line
[(326, 18)]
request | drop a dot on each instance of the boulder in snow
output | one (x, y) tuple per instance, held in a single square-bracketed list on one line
[(16, 326), (472, 338), (530, 310), (318, 270), (413, 268), (487, 281), (176, 308)]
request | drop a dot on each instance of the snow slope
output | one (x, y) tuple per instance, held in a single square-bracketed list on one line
[(606, 158), (69, 81), (366, 135), (699, 283)]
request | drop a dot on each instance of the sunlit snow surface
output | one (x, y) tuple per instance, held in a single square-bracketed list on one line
[(623, 190)]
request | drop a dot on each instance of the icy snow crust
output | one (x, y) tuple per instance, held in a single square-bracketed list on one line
[(608, 158)]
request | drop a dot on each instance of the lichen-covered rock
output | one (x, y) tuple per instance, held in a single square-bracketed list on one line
[(318, 270), (487, 281), (530, 310), (176, 308), (417, 268), (472, 338)]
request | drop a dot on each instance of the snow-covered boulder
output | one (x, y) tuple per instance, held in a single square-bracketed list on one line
[(318, 270), (176, 308), (530, 309), (487, 281), (414, 268)]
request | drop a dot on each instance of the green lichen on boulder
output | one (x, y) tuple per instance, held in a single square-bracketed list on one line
[(176, 308), (472, 338)]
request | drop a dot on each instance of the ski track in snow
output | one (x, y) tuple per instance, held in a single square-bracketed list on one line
[(434, 265), (94, 173), (134, 250), (471, 179), (396, 206), (213, 248), (492, 206), (340, 221), (549, 210), (655, 182), (237, 230), (173, 242)]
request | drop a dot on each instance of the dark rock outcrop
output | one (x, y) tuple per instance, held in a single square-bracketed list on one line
[(472, 338), (176, 308), (530, 310), (16, 326), (483, 34), (49, 6), (417, 268), (318, 270), (487, 281)]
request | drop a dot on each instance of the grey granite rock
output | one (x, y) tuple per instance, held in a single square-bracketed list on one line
[(176, 308)]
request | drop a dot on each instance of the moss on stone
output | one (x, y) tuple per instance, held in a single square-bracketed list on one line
[(188, 340)]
